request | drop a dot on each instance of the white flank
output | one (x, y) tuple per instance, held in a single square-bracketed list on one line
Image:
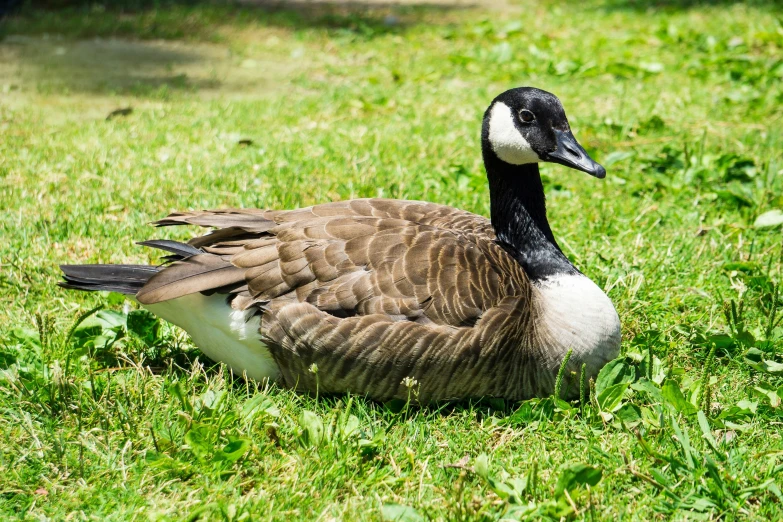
[(223, 334), (509, 145), (578, 315)]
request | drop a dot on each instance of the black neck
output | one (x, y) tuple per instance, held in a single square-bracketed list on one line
[(518, 212)]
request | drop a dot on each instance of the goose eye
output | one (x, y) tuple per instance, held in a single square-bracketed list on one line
[(526, 116)]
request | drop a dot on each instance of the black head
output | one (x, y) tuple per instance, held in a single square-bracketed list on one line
[(528, 125)]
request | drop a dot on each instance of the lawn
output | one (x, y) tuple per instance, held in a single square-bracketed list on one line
[(107, 414)]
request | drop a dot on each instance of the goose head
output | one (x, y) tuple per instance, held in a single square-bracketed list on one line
[(527, 125)]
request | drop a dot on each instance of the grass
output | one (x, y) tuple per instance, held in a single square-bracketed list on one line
[(111, 415)]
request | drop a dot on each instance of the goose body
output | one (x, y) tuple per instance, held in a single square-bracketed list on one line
[(361, 295)]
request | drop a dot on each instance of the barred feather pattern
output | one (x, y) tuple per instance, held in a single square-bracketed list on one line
[(373, 291)]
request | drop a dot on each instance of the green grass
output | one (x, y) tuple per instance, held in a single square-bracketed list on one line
[(121, 418)]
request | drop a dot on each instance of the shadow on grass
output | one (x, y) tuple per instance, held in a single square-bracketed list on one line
[(203, 19)]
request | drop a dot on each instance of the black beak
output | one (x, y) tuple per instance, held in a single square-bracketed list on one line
[(571, 154)]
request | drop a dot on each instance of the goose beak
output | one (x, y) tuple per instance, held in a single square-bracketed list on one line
[(571, 154)]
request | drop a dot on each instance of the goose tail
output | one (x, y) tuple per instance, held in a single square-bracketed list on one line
[(124, 279)]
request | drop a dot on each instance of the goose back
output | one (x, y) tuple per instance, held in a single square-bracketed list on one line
[(371, 291)]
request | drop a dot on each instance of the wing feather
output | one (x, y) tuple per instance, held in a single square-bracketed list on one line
[(371, 290), (408, 260)]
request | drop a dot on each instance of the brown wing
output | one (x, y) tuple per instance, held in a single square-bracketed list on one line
[(372, 291), (407, 260)]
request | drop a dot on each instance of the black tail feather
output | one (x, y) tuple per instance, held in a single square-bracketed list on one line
[(125, 279), (180, 250)]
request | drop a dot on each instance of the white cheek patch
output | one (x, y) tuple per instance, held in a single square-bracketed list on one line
[(506, 141)]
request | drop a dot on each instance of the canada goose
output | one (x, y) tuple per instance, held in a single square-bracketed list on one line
[(387, 297)]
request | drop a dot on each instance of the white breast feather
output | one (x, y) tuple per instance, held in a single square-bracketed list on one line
[(576, 314)]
